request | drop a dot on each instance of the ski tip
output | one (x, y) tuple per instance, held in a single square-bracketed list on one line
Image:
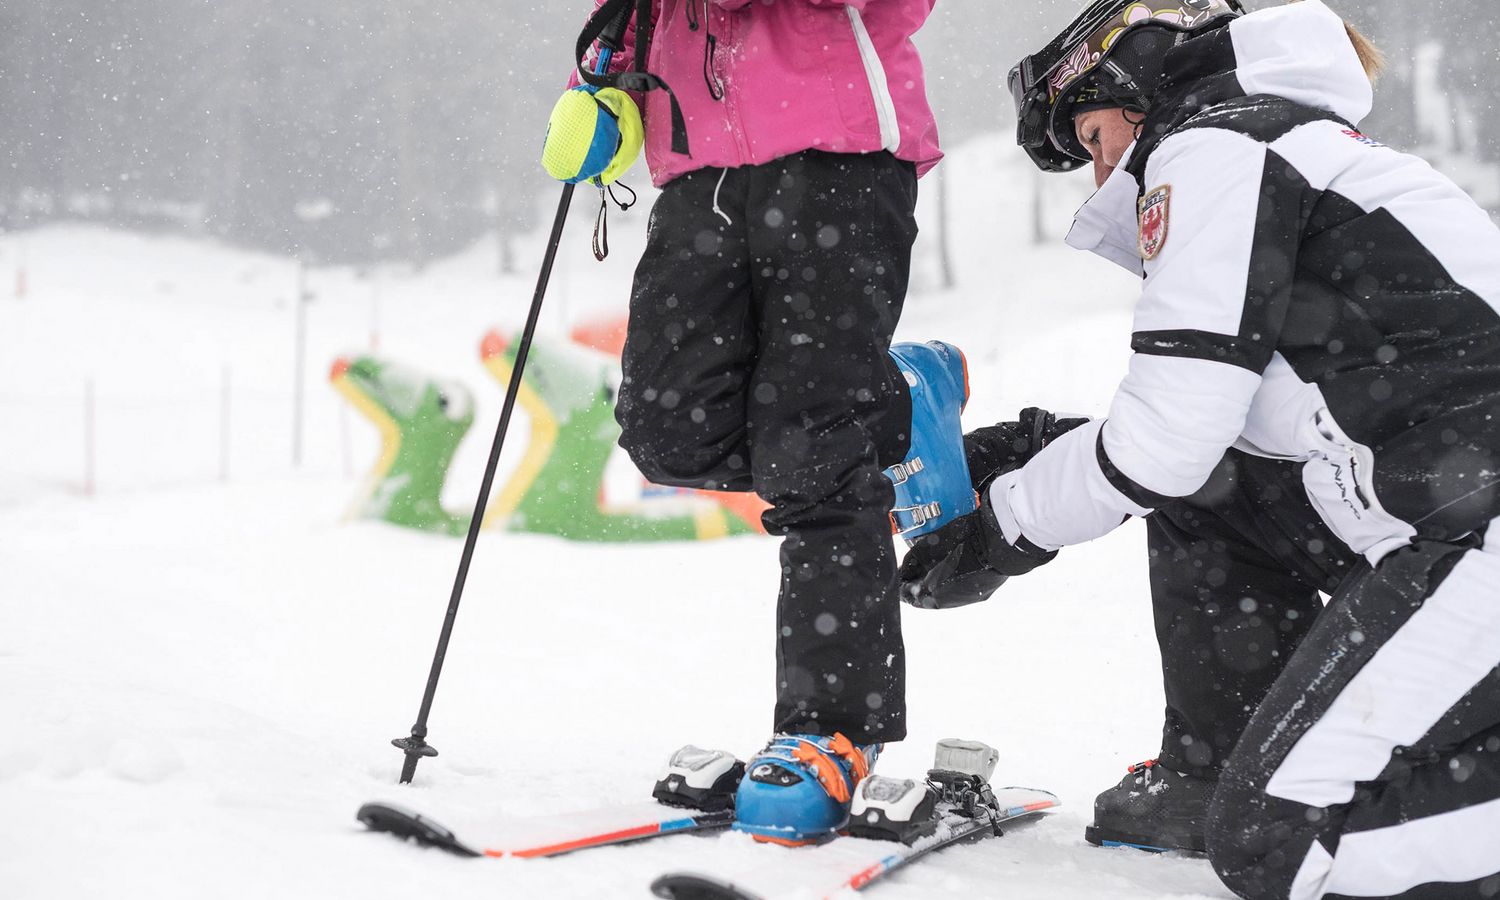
[(380, 816), (408, 825), (1021, 800), (687, 886)]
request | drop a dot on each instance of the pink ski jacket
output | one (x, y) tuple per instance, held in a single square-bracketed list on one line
[(761, 79)]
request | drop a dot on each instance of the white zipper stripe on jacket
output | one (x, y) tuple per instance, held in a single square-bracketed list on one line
[(880, 89)]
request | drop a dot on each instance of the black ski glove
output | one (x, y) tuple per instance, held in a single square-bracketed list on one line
[(993, 451), (965, 561), (968, 559)]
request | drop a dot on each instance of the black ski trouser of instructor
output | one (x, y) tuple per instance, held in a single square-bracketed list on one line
[(1325, 791), (1372, 767), (756, 359), (1236, 570)]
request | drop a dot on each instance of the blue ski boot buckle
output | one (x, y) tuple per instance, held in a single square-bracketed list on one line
[(932, 484)]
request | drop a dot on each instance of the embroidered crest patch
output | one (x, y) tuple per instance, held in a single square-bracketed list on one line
[(1155, 209)]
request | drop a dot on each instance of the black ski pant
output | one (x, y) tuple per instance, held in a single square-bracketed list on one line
[(756, 358), (1236, 571), (1357, 747), (1372, 767)]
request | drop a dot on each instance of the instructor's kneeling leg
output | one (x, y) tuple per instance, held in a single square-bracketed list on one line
[(1372, 768)]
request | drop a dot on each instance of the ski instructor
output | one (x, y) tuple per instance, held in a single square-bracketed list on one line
[(1313, 404), (787, 137)]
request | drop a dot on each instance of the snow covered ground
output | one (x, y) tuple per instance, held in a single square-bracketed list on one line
[(200, 676)]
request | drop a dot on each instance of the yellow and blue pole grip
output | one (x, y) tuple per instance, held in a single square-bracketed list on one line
[(594, 135)]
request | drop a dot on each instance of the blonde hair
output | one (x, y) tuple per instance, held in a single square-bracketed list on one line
[(1370, 56)]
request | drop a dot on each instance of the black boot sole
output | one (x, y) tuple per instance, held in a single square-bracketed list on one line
[(1109, 837)]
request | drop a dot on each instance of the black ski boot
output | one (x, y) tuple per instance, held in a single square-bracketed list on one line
[(1153, 808)]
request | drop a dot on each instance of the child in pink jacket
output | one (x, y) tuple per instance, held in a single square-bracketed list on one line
[(756, 358)]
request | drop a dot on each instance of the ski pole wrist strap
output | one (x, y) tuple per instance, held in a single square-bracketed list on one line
[(613, 13)]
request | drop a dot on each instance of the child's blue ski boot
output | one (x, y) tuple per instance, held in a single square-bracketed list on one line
[(932, 485), (797, 790)]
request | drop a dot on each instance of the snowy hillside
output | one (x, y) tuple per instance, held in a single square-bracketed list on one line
[(201, 674)]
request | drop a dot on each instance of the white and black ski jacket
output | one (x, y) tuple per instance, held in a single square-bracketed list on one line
[(1309, 295)]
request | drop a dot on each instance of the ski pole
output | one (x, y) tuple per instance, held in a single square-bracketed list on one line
[(415, 746)]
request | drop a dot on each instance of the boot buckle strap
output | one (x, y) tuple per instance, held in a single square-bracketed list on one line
[(902, 471), (916, 516)]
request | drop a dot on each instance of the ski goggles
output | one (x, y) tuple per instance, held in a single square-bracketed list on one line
[(1049, 86)]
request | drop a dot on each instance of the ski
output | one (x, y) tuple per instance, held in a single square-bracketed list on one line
[(848, 863), (549, 836), (892, 823), (694, 794)]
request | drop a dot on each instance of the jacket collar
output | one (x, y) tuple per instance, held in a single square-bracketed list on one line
[(1107, 224)]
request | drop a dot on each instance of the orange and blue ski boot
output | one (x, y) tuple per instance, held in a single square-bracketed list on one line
[(798, 789), (932, 484)]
